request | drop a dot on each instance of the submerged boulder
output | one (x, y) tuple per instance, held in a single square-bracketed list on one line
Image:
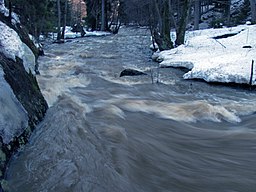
[(131, 72)]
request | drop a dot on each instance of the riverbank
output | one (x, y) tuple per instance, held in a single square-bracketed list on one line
[(215, 55)]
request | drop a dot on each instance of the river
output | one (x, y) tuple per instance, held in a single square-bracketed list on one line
[(151, 133)]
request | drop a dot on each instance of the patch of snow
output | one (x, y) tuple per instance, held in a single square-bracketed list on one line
[(13, 117), (154, 46), (72, 35), (12, 46), (97, 33), (10, 42), (215, 60)]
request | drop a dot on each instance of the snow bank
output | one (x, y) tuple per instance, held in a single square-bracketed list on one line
[(72, 35), (97, 33), (215, 59), (11, 46), (13, 117)]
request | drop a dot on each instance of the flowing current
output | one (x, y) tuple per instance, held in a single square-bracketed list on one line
[(150, 133)]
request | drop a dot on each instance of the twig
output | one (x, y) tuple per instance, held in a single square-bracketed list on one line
[(251, 73), (220, 43)]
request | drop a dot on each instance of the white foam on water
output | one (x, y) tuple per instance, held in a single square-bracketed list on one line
[(187, 112), (53, 87), (113, 109)]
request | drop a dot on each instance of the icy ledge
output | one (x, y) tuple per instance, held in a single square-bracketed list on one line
[(215, 60), (12, 46)]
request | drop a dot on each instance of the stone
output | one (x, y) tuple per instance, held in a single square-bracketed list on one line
[(131, 72)]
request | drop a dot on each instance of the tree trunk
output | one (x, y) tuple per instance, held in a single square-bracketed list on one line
[(197, 14), (182, 23), (253, 10), (103, 19), (65, 20), (162, 35), (157, 8), (59, 20), (227, 11), (167, 26)]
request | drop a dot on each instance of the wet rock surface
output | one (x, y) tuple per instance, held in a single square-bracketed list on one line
[(131, 72), (27, 98)]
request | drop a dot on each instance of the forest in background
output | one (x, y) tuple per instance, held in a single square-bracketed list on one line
[(42, 17)]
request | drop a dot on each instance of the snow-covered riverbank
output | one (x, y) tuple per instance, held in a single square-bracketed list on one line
[(215, 55)]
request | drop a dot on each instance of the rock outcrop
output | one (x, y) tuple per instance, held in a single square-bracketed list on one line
[(21, 101)]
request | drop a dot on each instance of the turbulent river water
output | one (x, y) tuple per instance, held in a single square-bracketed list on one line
[(105, 133)]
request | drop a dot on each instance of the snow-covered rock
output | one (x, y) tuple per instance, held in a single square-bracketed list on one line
[(12, 46)]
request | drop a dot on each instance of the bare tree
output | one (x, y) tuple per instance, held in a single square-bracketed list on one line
[(182, 22)]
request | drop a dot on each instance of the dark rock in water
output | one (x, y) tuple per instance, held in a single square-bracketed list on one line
[(131, 72)]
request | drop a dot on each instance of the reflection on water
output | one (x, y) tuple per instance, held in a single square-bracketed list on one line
[(106, 133)]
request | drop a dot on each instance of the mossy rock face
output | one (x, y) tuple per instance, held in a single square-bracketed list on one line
[(25, 87), (26, 90)]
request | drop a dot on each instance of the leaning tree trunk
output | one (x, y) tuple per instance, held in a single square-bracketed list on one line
[(253, 10), (182, 23)]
